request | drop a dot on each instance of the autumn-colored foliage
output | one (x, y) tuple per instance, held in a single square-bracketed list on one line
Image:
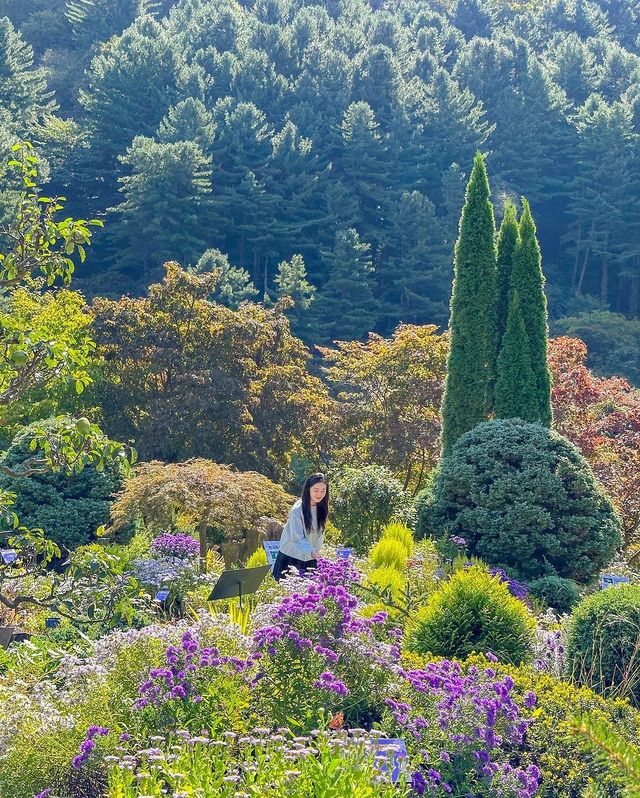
[(224, 504), (388, 404), (602, 417)]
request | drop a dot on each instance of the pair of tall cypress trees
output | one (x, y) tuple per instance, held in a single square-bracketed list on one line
[(498, 350)]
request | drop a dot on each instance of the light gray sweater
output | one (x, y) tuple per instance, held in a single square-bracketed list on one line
[(295, 540)]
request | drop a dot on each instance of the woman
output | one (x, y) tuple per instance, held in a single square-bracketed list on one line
[(303, 534)]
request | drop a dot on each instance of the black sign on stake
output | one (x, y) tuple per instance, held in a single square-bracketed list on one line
[(236, 584)]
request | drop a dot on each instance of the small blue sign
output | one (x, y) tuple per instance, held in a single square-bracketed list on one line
[(271, 547), (343, 552), (390, 751), (162, 594), (9, 556), (611, 580), (51, 623)]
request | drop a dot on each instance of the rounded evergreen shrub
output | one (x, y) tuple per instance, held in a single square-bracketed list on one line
[(364, 500), (603, 642), (473, 612), (554, 591), (423, 508), (69, 508), (389, 552), (524, 498), (400, 532)]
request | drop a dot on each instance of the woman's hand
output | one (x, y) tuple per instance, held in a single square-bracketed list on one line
[(315, 555)]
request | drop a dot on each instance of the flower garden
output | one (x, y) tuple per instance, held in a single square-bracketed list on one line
[(405, 670)]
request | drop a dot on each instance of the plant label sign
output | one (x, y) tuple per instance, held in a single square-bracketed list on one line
[(271, 547), (390, 753), (8, 556), (162, 594), (343, 552), (611, 580)]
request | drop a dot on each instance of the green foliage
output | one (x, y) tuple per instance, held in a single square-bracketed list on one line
[(612, 342), (389, 552), (234, 285), (602, 642), (348, 290), (68, 507), (527, 281), (400, 532), (473, 612), (525, 499), (515, 389), (473, 314), (615, 751), (239, 393), (168, 187), (364, 500), (506, 247), (554, 591)]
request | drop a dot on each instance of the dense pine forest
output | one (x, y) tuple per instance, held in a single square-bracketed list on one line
[(320, 148)]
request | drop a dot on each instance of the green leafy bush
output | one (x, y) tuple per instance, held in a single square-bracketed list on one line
[(69, 508), (389, 552), (423, 508), (603, 642), (473, 612), (364, 500), (554, 591), (525, 499), (400, 532)]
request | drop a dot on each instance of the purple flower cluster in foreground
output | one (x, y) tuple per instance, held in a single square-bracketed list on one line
[(175, 545), (470, 717), (87, 745), (185, 663), (458, 541), (44, 794)]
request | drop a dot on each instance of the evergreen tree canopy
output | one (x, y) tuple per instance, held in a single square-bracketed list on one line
[(527, 281), (515, 389), (473, 314)]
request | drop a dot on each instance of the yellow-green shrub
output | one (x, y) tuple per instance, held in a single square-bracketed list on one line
[(389, 552), (473, 612), (259, 557), (388, 578), (400, 532)]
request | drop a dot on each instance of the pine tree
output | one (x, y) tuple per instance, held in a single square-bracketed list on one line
[(515, 391), (507, 241), (234, 285), (527, 280), (473, 313), (291, 281), (345, 308), (166, 195), (23, 88)]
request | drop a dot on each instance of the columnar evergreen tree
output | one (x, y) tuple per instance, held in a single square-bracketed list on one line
[(473, 313), (507, 241), (527, 280), (515, 390)]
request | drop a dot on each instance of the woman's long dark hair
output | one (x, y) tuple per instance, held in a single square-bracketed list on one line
[(322, 507)]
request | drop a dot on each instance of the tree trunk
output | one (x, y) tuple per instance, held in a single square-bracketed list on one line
[(604, 279)]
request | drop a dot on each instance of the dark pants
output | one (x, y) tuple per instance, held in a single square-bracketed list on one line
[(284, 562)]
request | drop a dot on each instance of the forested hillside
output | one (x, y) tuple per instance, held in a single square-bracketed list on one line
[(329, 141)]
